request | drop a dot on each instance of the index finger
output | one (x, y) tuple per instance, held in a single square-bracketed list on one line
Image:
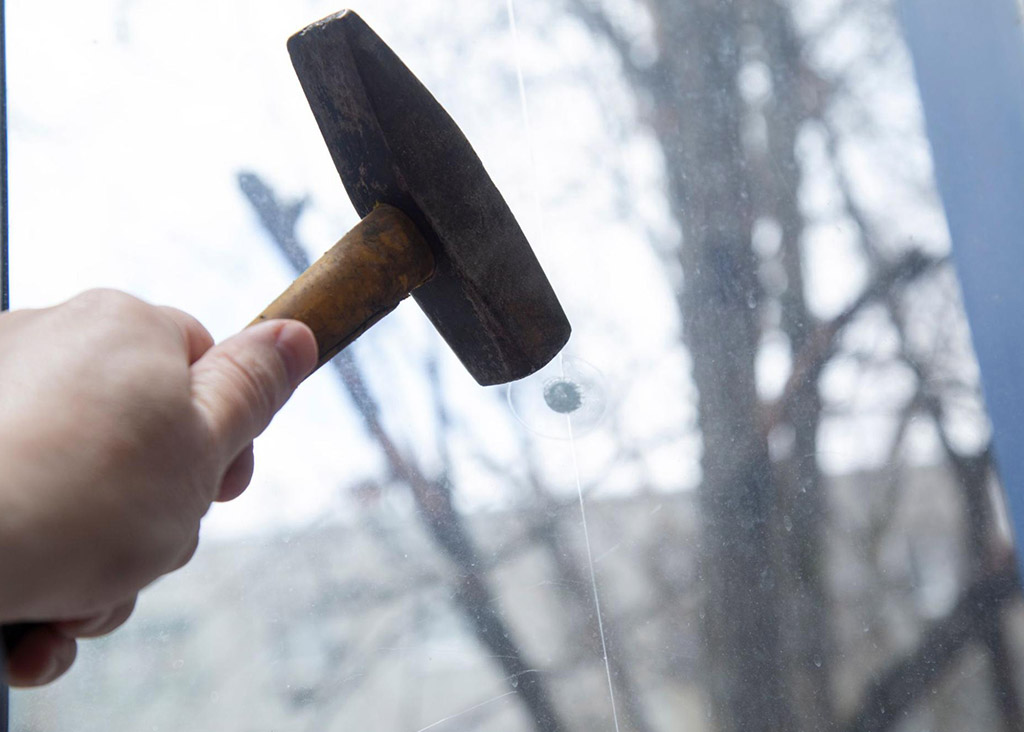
[(197, 338)]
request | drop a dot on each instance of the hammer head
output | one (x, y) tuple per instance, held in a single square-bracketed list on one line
[(393, 143)]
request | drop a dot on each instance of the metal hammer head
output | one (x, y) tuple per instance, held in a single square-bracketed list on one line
[(393, 143)]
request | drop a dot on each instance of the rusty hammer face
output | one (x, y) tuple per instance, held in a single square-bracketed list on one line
[(435, 225)]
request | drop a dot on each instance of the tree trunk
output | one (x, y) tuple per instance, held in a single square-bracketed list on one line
[(696, 113), (801, 525)]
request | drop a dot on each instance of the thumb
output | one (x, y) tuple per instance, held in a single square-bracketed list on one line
[(239, 384)]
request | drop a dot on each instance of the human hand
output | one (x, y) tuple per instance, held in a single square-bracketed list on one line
[(120, 423)]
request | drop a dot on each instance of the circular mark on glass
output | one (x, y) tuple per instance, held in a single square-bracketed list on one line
[(563, 395), (565, 399)]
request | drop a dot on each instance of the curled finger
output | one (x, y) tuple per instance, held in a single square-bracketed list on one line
[(42, 655), (99, 624)]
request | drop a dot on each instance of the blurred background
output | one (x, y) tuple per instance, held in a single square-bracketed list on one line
[(775, 508)]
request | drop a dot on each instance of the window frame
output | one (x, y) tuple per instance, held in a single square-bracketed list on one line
[(969, 63)]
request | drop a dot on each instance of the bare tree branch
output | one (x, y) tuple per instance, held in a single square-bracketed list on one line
[(973, 473), (433, 497), (598, 22), (821, 344), (898, 688)]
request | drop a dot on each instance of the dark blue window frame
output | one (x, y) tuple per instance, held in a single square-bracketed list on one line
[(969, 60)]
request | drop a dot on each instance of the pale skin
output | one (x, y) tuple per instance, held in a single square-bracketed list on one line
[(120, 423)]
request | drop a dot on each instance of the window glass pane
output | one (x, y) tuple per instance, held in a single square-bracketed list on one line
[(754, 493)]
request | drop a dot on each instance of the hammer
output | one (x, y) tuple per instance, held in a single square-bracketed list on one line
[(434, 225)]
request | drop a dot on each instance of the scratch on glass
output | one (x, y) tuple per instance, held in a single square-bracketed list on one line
[(572, 442), (467, 711)]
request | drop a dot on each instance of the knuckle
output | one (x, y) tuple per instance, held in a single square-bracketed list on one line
[(190, 551), (113, 311), (101, 623), (189, 325), (131, 565), (106, 299), (117, 617)]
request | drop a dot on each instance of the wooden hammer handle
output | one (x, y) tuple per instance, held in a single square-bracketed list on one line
[(358, 281)]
